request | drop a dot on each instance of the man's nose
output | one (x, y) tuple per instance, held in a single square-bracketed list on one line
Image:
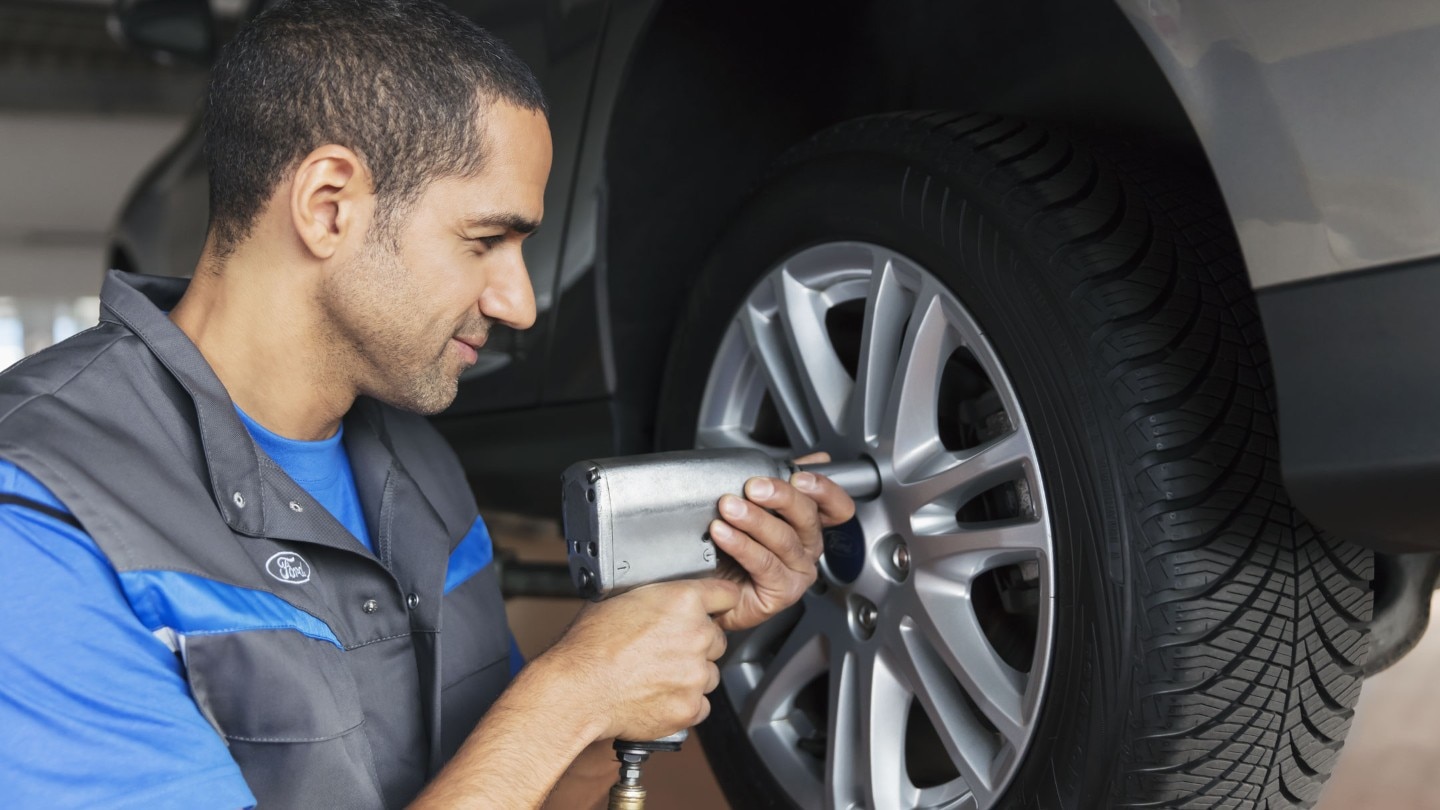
[(509, 298)]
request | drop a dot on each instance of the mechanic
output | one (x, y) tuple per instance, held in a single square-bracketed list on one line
[(239, 567)]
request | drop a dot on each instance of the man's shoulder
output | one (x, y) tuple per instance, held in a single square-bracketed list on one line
[(80, 415), (48, 372), (17, 483)]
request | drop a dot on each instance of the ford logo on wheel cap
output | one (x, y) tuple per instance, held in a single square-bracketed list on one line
[(288, 567), (845, 550)]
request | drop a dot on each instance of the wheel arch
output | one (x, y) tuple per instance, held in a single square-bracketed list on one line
[(713, 93)]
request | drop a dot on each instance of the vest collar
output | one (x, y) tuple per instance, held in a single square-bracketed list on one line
[(252, 494), (140, 303)]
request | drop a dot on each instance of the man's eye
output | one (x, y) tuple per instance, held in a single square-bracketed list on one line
[(489, 241)]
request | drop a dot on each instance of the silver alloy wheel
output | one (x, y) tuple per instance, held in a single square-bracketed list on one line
[(958, 553)]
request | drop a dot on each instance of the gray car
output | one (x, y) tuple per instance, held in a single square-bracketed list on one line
[(1131, 303)]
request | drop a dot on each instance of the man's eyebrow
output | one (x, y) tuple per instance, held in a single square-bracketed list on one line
[(508, 220)]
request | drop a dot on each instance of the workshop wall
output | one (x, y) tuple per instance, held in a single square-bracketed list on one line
[(80, 118)]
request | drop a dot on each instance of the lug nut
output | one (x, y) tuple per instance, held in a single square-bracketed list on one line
[(900, 557), (866, 616)]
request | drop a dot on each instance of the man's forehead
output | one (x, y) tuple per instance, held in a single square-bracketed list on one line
[(484, 202)]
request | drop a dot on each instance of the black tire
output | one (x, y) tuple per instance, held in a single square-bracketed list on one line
[(1209, 641)]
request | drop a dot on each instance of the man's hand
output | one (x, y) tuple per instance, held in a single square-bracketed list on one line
[(642, 662), (637, 666), (774, 555)]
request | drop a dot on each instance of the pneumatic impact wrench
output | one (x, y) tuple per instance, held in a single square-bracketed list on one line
[(640, 519)]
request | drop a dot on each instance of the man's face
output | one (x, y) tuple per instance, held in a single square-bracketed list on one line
[(409, 316)]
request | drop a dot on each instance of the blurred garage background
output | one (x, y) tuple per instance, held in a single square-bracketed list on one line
[(81, 118)]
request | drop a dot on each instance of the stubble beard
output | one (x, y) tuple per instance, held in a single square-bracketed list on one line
[(391, 354)]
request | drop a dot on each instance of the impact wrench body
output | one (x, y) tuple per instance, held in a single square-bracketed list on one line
[(637, 520)]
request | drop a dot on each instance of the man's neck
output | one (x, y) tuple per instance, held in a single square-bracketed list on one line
[(252, 326)]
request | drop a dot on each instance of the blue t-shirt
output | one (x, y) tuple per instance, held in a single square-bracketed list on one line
[(95, 710), (322, 468)]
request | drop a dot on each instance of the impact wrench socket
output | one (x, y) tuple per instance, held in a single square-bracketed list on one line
[(636, 520)]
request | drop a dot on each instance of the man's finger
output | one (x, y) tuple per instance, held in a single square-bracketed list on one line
[(759, 562), (834, 504), (793, 536), (718, 643), (814, 458), (795, 507), (703, 713), (717, 595)]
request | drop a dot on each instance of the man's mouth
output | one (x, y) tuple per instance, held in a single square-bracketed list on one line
[(469, 348)]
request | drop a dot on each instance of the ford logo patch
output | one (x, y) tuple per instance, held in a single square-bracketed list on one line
[(288, 567)]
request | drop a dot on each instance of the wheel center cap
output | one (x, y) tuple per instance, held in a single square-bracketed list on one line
[(845, 550)]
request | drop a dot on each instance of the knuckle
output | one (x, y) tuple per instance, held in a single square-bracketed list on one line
[(797, 592), (811, 518), (794, 546), (796, 535), (691, 600), (785, 494), (681, 708), (768, 565)]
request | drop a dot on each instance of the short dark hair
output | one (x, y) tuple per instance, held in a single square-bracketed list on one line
[(400, 82)]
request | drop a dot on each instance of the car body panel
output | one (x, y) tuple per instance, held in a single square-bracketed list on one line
[(1316, 117), (1358, 382)]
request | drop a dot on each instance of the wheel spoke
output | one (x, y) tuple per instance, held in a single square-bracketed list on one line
[(823, 379), (865, 762), (803, 657), (884, 734), (972, 748), (963, 475), (728, 413), (882, 335), (911, 416), (807, 383), (785, 392), (996, 688), (962, 554), (843, 760)]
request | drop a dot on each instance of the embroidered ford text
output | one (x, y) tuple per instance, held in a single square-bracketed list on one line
[(288, 567)]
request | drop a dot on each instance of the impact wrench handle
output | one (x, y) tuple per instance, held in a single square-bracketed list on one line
[(628, 793)]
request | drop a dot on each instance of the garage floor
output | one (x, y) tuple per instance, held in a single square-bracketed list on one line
[(1390, 759)]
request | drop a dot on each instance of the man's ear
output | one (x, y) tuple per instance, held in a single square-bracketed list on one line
[(331, 199)]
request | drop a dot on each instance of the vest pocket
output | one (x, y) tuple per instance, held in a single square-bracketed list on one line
[(273, 686), (288, 708)]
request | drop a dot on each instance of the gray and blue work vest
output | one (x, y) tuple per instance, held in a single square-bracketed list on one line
[(322, 665)]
